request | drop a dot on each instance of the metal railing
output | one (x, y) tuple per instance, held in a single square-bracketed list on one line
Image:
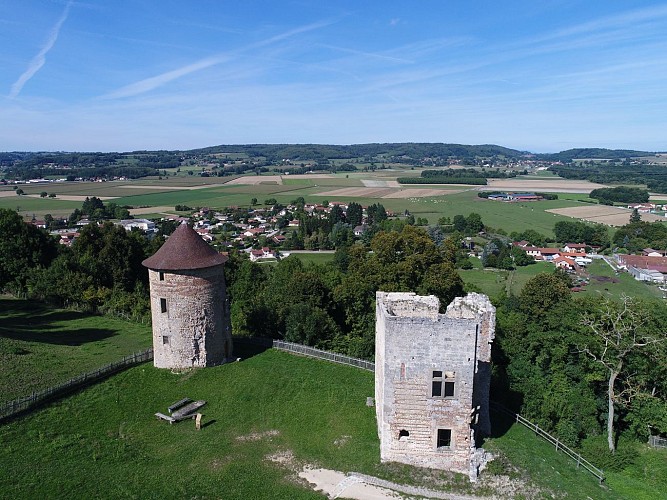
[(305, 350), (657, 442), (326, 355)]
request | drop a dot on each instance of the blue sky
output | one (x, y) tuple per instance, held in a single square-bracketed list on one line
[(99, 75)]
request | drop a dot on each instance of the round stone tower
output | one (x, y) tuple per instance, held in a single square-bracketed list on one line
[(191, 324)]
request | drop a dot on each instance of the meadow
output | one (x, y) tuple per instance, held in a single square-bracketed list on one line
[(267, 417), (41, 347), (429, 202)]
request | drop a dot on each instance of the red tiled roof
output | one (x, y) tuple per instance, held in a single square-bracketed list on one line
[(184, 249), (549, 250), (645, 262)]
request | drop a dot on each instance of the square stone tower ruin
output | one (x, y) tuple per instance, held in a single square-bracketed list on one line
[(189, 309), (432, 378)]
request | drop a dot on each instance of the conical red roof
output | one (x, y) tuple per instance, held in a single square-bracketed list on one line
[(183, 250)]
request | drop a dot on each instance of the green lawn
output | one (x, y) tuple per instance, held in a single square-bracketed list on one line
[(272, 404), (315, 258), (41, 347), (106, 442), (493, 282), (603, 282)]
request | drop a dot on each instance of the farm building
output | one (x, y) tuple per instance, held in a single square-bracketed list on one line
[(644, 268), (524, 197)]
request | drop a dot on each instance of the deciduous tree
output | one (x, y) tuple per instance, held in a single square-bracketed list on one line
[(618, 330)]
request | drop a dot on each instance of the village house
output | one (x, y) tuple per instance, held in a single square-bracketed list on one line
[(549, 253), (642, 208), (533, 252), (565, 263), (148, 226), (650, 252), (575, 247)]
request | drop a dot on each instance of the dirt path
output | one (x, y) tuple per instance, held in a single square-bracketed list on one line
[(362, 487)]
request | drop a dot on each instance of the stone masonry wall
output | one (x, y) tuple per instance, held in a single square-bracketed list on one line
[(411, 344), (194, 330)]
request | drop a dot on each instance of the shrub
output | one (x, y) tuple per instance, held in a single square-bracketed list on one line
[(597, 451)]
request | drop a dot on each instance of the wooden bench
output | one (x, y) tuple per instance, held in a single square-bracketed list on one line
[(187, 411), (178, 404), (165, 417)]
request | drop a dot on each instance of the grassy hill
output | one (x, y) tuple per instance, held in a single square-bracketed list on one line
[(41, 347), (266, 418)]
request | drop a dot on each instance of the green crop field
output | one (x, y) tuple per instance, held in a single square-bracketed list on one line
[(41, 347), (213, 192)]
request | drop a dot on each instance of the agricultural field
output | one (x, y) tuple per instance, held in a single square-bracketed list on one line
[(603, 214), (41, 347), (549, 184), (604, 282), (256, 438), (157, 197)]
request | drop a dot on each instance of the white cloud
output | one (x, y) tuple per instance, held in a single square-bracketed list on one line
[(38, 61)]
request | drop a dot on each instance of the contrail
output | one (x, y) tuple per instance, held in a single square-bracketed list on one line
[(157, 81), (39, 60)]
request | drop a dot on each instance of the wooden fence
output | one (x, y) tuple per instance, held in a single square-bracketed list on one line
[(581, 461), (11, 408), (657, 442)]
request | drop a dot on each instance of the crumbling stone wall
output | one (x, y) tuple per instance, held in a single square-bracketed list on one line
[(190, 318), (432, 379)]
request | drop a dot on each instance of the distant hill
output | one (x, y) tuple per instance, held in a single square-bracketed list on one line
[(277, 152), (594, 153), (235, 159)]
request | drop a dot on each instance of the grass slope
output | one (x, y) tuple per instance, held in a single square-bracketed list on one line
[(105, 442), (41, 347), (518, 449)]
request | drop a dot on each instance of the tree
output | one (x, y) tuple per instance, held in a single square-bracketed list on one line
[(23, 248), (474, 223), (618, 331), (542, 294), (635, 217), (336, 215), (43, 194), (354, 214), (376, 214), (20, 191), (460, 223), (253, 201)]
